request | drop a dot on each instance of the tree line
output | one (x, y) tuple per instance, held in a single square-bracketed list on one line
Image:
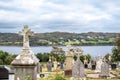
[(6, 58), (60, 38)]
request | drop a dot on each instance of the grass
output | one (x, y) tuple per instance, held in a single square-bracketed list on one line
[(53, 74), (115, 72), (102, 79)]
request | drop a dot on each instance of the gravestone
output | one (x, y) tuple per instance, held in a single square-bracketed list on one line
[(113, 66), (69, 61), (104, 70), (61, 65), (93, 65), (55, 64), (41, 67), (86, 65), (78, 67), (4, 73), (119, 66), (98, 64), (85, 62), (49, 66), (89, 65), (26, 64)]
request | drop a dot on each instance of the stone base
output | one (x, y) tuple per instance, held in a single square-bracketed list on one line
[(97, 76), (103, 76), (68, 73), (25, 72)]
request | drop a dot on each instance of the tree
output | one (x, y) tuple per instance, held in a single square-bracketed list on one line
[(116, 50), (43, 57), (3, 57), (9, 59), (88, 56), (117, 42), (116, 54), (6, 58), (58, 54), (108, 58)]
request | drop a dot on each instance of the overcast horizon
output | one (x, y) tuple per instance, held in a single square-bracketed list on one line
[(74, 16)]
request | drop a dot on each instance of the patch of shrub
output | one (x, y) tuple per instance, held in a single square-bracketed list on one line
[(59, 77)]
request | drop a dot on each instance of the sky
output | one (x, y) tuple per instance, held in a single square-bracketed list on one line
[(76, 16)]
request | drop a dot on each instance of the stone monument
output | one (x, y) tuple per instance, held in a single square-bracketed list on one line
[(26, 64), (55, 64), (78, 67), (61, 65), (69, 58), (49, 66), (41, 65), (98, 64), (85, 62), (69, 61), (104, 70)]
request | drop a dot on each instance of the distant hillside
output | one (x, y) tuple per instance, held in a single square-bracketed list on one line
[(61, 38)]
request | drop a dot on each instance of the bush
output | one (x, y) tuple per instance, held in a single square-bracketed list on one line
[(59, 77)]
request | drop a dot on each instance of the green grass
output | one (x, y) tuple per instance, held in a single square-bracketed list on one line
[(102, 79)]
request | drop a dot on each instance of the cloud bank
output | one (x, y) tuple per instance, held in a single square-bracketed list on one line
[(60, 15)]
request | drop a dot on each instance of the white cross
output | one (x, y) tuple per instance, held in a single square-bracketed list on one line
[(26, 33)]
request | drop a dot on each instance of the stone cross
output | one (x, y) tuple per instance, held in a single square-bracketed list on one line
[(26, 33), (77, 52), (78, 67), (69, 47)]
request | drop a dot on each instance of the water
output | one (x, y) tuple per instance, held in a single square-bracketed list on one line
[(93, 50)]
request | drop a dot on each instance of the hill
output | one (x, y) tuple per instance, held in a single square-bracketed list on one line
[(61, 38)]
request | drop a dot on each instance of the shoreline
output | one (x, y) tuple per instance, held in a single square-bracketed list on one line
[(59, 45)]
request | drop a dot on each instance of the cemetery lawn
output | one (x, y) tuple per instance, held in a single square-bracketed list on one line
[(103, 79), (53, 74), (115, 72)]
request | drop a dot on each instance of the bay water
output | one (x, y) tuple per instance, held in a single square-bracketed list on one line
[(92, 50)]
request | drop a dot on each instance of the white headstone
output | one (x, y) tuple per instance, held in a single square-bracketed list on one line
[(55, 63), (98, 64)]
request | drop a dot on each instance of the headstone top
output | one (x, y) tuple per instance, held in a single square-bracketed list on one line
[(85, 60), (50, 59), (26, 33), (70, 51), (109, 58), (78, 52)]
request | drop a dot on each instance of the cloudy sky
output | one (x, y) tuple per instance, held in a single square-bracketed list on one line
[(60, 15)]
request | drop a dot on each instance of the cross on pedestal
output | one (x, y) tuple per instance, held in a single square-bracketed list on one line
[(26, 33), (78, 52)]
